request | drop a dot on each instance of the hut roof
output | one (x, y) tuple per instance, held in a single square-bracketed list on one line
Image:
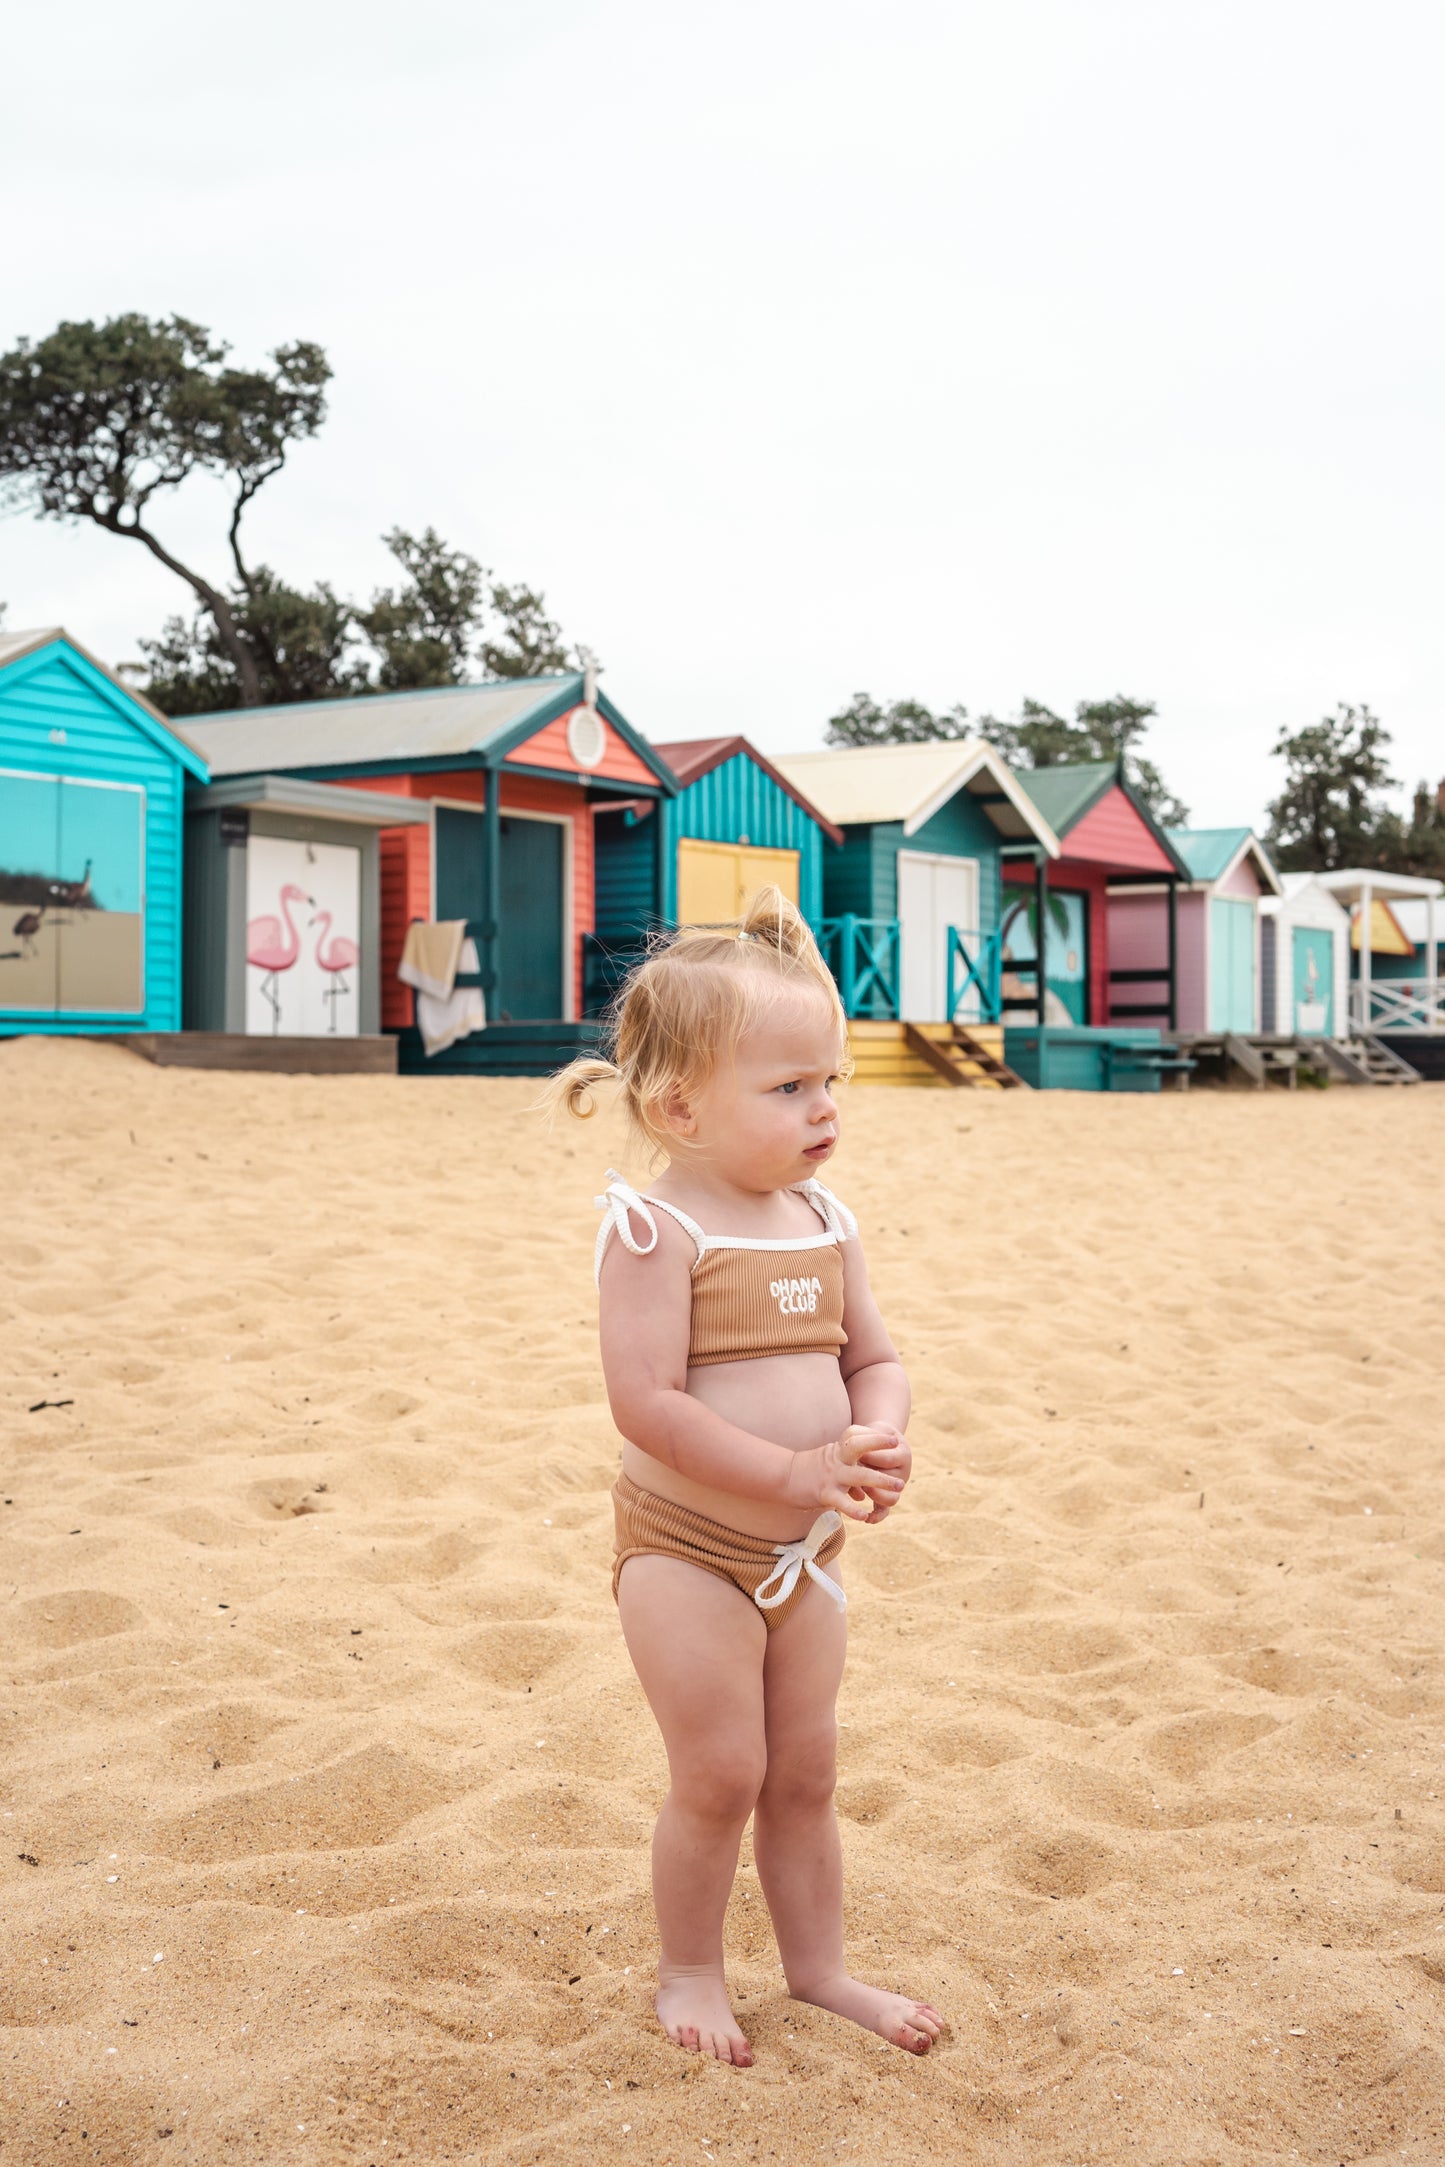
[(1067, 794), (15, 645), (857, 784), (443, 722), (691, 757), (1210, 853)]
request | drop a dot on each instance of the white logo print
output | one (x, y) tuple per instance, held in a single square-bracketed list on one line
[(797, 1297)]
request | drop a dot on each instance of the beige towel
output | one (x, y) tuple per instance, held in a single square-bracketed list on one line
[(430, 961), (430, 958)]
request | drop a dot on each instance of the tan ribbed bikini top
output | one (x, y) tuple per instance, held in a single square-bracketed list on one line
[(750, 1298)]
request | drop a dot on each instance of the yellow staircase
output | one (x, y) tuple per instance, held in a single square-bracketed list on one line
[(931, 1056)]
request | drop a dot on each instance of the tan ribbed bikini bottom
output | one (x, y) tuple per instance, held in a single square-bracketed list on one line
[(773, 1575)]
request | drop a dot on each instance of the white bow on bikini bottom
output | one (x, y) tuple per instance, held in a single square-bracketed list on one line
[(796, 1558)]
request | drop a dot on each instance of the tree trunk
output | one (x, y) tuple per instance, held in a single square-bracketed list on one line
[(232, 638)]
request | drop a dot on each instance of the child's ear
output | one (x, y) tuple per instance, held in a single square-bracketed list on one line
[(678, 1115)]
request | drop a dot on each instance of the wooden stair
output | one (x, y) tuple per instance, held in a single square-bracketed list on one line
[(961, 1057), (889, 1053)]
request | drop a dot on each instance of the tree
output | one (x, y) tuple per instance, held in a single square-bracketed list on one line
[(530, 643), (1037, 737), (97, 420), (1331, 811), (303, 646), (905, 722), (425, 630), (1101, 730)]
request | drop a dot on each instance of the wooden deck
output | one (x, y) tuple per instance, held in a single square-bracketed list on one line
[(275, 1056)]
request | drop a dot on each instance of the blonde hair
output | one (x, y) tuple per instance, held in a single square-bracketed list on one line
[(681, 1012)]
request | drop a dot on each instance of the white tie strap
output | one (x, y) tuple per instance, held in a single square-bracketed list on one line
[(619, 1202), (797, 1558)]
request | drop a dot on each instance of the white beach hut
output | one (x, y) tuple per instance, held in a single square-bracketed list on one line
[(1304, 960)]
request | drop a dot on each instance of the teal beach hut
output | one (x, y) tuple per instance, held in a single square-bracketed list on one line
[(736, 825), (92, 783)]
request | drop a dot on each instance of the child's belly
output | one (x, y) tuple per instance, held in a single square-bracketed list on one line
[(795, 1400)]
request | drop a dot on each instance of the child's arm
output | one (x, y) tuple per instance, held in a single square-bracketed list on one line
[(645, 1318), (877, 1383)]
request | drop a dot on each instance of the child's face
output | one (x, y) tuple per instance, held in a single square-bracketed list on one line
[(769, 1118)]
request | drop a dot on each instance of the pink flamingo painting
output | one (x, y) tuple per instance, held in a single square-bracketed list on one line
[(273, 949), (335, 957)]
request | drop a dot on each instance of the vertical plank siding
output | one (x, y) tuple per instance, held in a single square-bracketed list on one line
[(58, 716), (738, 799)]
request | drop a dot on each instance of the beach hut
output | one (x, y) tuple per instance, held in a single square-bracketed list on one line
[(1086, 1022), (1393, 1019), (92, 780), (509, 777), (1217, 935), (735, 826), (912, 898), (1304, 960)]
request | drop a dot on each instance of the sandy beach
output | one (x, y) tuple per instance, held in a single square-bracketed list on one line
[(326, 1786)]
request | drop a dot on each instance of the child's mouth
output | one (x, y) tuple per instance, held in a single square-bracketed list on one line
[(820, 1151)]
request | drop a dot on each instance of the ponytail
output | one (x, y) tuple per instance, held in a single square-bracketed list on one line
[(575, 1088)]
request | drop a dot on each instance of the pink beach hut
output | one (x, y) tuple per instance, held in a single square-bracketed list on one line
[(1218, 929)]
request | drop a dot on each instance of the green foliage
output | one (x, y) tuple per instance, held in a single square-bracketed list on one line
[(97, 420), (428, 630), (526, 643), (1100, 730), (1331, 811), (904, 722), (303, 646), (424, 631)]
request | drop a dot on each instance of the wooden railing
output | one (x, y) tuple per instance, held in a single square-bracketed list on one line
[(862, 954)]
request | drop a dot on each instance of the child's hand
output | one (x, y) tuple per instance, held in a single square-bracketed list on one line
[(828, 1479), (888, 1453)]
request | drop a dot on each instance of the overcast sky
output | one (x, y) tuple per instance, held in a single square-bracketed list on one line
[(955, 350)]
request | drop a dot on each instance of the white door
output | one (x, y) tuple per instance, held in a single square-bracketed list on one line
[(303, 928), (933, 894)]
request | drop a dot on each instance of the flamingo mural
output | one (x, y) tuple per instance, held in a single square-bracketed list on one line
[(273, 948), (335, 957)]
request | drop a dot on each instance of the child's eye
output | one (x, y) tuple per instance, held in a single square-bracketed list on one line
[(790, 1087)]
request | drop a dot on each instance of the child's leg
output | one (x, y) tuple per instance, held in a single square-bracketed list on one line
[(697, 1645), (795, 1831)]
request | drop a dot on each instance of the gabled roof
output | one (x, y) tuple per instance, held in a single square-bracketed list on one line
[(1064, 794), (1068, 793), (856, 784), (690, 758), (440, 723), (1211, 854), (15, 646)]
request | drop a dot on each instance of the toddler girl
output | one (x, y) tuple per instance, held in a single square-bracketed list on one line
[(761, 1404)]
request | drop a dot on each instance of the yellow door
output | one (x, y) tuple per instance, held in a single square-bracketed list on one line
[(717, 881)]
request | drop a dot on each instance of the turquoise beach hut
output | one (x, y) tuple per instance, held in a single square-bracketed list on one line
[(735, 826), (92, 783)]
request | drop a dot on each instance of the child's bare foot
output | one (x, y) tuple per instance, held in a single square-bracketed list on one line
[(913, 2025), (694, 2011)]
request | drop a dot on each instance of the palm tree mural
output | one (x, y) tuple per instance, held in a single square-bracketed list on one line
[(1063, 953)]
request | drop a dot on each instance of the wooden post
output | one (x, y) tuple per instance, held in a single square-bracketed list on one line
[(1432, 1021), (492, 888), (1173, 972), (1367, 911), (1041, 910)]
